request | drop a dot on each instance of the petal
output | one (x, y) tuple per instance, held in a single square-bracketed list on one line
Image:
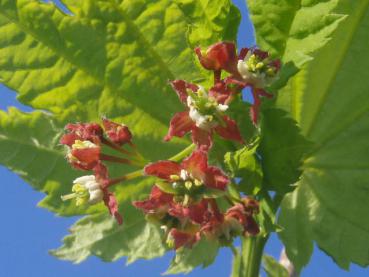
[(112, 204), (163, 169), (251, 227), (180, 124), (196, 164), (180, 87), (219, 56), (230, 130), (117, 133), (183, 239), (260, 53), (69, 139), (215, 178), (196, 212), (221, 92), (158, 200), (87, 131), (202, 138), (87, 155), (243, 53)]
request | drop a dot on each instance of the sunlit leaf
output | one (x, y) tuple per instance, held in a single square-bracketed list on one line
[(202, 254)]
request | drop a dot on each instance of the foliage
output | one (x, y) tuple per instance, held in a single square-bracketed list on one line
[(273, 268), (114, 58), (327, 99)]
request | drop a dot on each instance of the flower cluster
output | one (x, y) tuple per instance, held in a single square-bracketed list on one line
[(184, 199), (84, 143), (180, 200), (185, 212), (251, 68)]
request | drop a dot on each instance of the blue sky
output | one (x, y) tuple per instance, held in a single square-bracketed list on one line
[(28, 232)]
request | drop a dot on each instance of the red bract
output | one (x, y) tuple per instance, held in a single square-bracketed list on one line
[(117, 133), (82, 131), (157, 203), (205, 116), (194, 170), (183, 239), (101, 174)]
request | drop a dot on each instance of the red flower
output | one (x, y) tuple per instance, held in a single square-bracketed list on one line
[(158, 202), (193, 172), (205, 116), (117, 133)]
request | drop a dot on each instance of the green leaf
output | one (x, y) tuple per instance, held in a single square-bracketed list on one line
[(244, 164), (202, 254), (293, 30), (109, 58), (273, 268), (328, 99), (282, 148), (266, 218), (212, 193), (215, 21), (29, 147), (100, 235)]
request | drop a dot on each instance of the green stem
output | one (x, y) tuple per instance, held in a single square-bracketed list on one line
[(183, 153), (252, 252)]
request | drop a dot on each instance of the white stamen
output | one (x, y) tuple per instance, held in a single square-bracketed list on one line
[(93, 187), (184, 175), (222, 108)]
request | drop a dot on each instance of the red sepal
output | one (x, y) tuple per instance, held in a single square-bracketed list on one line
[(183, 238), (86, 131), (180, 87), (117, 133), (215, 178), (219, 56), (158, 201), (229, 130), (202, 139), (196, 164), (86, 158), (180, 125), (163, 169), (112, 205)]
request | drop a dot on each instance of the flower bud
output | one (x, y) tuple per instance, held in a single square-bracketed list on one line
[(117, 133)]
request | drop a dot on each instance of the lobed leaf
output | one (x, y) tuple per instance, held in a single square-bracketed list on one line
[(105, 57), (244, 164), (293, 30), (202, 254), (328, 100), (282, 149)]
